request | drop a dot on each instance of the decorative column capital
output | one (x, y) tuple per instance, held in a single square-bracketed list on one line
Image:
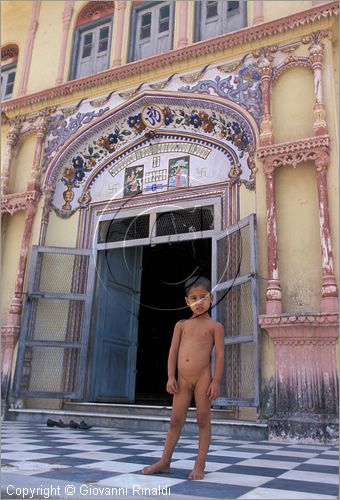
[(316, 55), (322, 159), (42, 129), (316, 47), (265, 68), (265, 57), (13, 135)]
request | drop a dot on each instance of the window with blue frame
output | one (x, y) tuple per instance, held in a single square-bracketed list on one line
[(7, 80), (151, 30), (92, 46), (213, 18)]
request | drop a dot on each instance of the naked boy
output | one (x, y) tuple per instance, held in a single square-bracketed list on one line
[(190, 351)]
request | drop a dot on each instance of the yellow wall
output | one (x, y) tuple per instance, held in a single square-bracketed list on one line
[(15, 32), (10, 257), (298, 231), (4, 130), (280, 8), (44, 64), (21, 171), (62, 232), (292, 105)]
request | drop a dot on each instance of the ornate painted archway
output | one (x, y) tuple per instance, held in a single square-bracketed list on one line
[(94, 164)]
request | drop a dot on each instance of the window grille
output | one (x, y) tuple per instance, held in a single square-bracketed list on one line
[(130, 228), (191, 220)]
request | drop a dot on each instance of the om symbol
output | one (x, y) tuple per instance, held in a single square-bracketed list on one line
[(152, 116)]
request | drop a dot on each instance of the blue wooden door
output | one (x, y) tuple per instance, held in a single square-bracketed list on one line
[(118, 289)]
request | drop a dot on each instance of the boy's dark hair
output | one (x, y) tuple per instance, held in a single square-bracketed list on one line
[(197, 281)]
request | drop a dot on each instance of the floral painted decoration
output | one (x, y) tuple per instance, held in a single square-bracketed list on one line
[(110, 141), (208, 122), (75, 173)]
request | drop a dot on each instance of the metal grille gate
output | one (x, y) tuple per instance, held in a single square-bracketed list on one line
[(54, 337), (236, 307)]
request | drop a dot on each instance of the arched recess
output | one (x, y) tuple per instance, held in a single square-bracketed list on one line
[(218, 134), (292, 103)]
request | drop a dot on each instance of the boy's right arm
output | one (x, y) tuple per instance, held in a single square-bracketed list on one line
[(171, 386)]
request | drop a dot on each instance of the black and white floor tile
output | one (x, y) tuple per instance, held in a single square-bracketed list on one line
[(110, 461)]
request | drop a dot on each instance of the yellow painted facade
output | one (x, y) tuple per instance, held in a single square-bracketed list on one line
[(292, 102)]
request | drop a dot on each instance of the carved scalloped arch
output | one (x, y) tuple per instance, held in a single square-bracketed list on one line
[(93, 11), (295, 62), (9, 53)]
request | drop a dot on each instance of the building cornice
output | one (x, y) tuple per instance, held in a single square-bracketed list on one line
[(13, 203), (299, 319), (199, 49), (280, 150)]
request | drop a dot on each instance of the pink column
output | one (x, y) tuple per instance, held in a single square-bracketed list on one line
[(183, 24), (67, 16), (41, 133), (29, 47), (12, 139), (258, 12), (119, 35), (266, 129), (315, 58), (329, 290), (273, 294), (10, 332)]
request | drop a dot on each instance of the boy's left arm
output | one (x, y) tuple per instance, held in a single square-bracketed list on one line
[(214, 388)]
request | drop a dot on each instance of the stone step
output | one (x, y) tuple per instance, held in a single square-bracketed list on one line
[(133, 409), (236, 429)]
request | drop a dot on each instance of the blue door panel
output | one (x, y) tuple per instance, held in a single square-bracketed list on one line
[(117, 324)]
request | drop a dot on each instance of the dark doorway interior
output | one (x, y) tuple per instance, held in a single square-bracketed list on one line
[(166, 267)]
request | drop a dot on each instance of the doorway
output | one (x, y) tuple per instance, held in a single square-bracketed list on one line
[(166, 267), (140, 297)]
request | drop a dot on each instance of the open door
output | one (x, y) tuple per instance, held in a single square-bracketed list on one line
[(118, 294), (53, 342), (236, 307)]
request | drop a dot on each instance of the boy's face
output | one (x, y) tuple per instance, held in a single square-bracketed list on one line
[(198, 299)]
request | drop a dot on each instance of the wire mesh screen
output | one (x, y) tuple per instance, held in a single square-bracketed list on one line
[(233, 255), (235, 311), (54, 319), (130, 228), (61, 273), (239, 372), (194, 219), (50, 369)]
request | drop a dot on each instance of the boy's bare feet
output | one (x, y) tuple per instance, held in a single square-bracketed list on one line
[(160, 466), (197, 472)]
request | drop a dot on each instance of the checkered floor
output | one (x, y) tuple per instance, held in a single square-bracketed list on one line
[(113, 458)]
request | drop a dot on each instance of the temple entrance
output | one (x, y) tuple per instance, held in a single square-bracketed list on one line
[(140, 298)]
